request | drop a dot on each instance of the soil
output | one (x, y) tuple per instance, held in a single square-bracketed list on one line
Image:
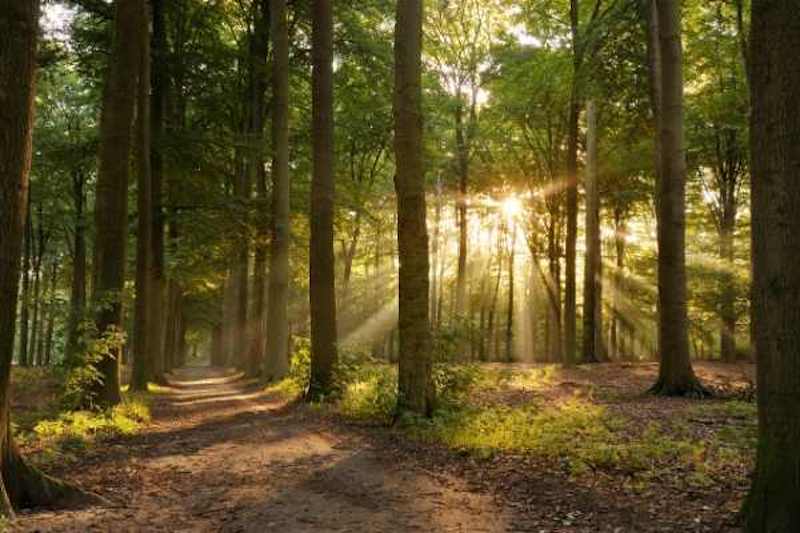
[(222, 455)]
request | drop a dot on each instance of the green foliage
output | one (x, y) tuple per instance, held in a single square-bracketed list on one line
[(73, 431), (578, 435), (84, 373)]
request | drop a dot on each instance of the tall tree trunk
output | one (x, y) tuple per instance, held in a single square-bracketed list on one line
[(277, 356), (38, 252), (143, 339), (553, 282), (24, 321), (727, 294), (51, 314), (462, 153), (617, 336), (415, 388), (570, 313), (111, 209), (158, 103), (322, 278), (774, 501), (259, 52), (592, 281), (77, 299), (510, 316), (20, 484), (676, 376)]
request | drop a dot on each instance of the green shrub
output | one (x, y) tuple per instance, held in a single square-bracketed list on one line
[(76, 430)]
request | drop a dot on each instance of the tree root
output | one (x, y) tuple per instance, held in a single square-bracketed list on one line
[(24, 486), (691, 388)]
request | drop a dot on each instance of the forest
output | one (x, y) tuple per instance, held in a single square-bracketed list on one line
[(400, 265)]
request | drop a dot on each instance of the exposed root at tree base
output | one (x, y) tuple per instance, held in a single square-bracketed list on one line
[(28, 487), (689, 389)]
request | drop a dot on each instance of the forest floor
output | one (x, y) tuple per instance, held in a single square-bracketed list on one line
[(222, 454)]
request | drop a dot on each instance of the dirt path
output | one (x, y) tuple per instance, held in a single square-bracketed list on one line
[(223, 456)]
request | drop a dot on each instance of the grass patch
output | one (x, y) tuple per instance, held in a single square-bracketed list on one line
[(576, 434), (62, 436)]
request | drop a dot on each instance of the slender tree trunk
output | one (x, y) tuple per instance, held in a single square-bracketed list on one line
[(322, 279), (158, 102), (24, 322), (33, 354), (462, 153), (51, 314), (727, 294), (416, 393), (774, 501), (77, 300), (570, 290), (592, 282), (111, 207), (510, 317), (259, 52), (20, 484), (676, 376), (277, 356), (617, 337), (143, 339)]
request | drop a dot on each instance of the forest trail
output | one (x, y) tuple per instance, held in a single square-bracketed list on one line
[(222, 455)]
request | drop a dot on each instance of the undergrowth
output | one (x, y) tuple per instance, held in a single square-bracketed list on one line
[(576, 434)]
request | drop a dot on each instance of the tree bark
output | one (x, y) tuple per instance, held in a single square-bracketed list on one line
[(158, 100), (20, 484), (676, 376), (24, 317), (322, 278), (111, 208), (77, 299), (415, 388), (143, 338), (277, 356), (259, 52), (570, 312), (462, 154), (774, 501), (592, 281)]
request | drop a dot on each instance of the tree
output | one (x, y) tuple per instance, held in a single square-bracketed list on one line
[(143, 331), (415, 392), (322, 275), (257, 88), (159, 81), (116, 120), (676, 376), (592, 280), (277, 356), (774, 501), (20, 484)]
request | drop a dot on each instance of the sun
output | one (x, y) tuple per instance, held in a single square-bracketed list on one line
[(511, 207)]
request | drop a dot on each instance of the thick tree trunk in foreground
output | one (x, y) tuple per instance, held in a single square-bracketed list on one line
[(20, 484), (676, 376), (143, 338), (277, 356), (774, 501), (111, 209), (322, 279), (592, 281), (416, 393)]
